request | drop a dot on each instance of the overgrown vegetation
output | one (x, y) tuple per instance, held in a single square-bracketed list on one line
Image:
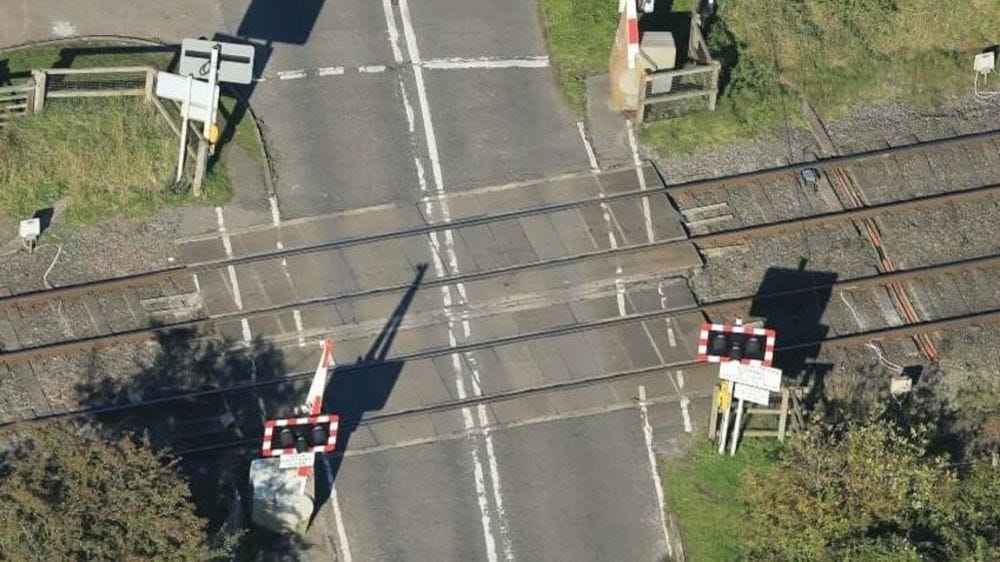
[(835, 53), (871, 491), (907, 478), (703, 490), (106, 157), (67, 496)]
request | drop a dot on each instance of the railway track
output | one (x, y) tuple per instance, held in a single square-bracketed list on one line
[(203, 325), (238, 392), (850, 340)]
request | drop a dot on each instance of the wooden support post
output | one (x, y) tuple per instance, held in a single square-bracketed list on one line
[(201, 165), (783, 420), (38, 96), (150, 82)]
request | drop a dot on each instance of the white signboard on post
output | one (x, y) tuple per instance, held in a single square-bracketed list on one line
[(235, 60), (176, 87), (751, 394), (297, 460), (751, 375)]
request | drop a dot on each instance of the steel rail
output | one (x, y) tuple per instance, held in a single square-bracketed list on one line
[(712, 184), (96, 342), (691, 186), (798, 224), (849, 339), (101, 285)]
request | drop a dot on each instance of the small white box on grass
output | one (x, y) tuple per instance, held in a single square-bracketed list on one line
[(29, 229), (984, 62)]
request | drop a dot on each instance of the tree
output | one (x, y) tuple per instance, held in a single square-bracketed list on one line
[(871, 492), (67, 496)]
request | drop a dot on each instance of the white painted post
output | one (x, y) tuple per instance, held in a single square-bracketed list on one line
[(185, 112), (736, 429), (724, 430)]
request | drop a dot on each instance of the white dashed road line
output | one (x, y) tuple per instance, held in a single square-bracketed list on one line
[(291, 74)]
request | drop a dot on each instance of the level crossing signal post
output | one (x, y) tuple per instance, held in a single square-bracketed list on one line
[(279, 478), (744, 354)]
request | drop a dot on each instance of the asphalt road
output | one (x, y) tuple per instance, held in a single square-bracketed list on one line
[(382, 115)]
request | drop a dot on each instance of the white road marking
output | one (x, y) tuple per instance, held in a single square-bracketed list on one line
[(591, 157), (228, 246), (670, 333), (371, 68), (338, 518), (291, 74), (63, 28), (685, 414), (390, 22), (247, 336), (647, 216), (486, 62), (436, 173), (330, 71), (647, 433), (297, 315), (275, 212)]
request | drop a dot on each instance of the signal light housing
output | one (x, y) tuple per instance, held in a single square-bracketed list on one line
[(289, 436), (721, 343)]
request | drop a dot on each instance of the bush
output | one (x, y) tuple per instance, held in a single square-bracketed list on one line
[(65, 496)]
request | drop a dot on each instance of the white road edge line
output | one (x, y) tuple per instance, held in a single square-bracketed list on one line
[(591, 157), (338, 518), (647, 216), (432, 153), (647, 433), (463, 63)]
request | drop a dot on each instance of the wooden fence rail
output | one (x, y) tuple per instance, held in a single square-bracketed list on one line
[(100, 82)]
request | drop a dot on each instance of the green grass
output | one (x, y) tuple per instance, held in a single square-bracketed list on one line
[(106, 157), (580, 34), (703, 492)]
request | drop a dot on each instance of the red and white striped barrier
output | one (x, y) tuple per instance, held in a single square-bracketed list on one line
[(768, 334), (329, 446), (631, 30)]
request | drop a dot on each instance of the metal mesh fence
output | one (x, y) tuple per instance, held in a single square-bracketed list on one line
[(97, 81)]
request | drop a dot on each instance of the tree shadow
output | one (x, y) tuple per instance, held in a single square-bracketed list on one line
[(362, 387), (186, 361)]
